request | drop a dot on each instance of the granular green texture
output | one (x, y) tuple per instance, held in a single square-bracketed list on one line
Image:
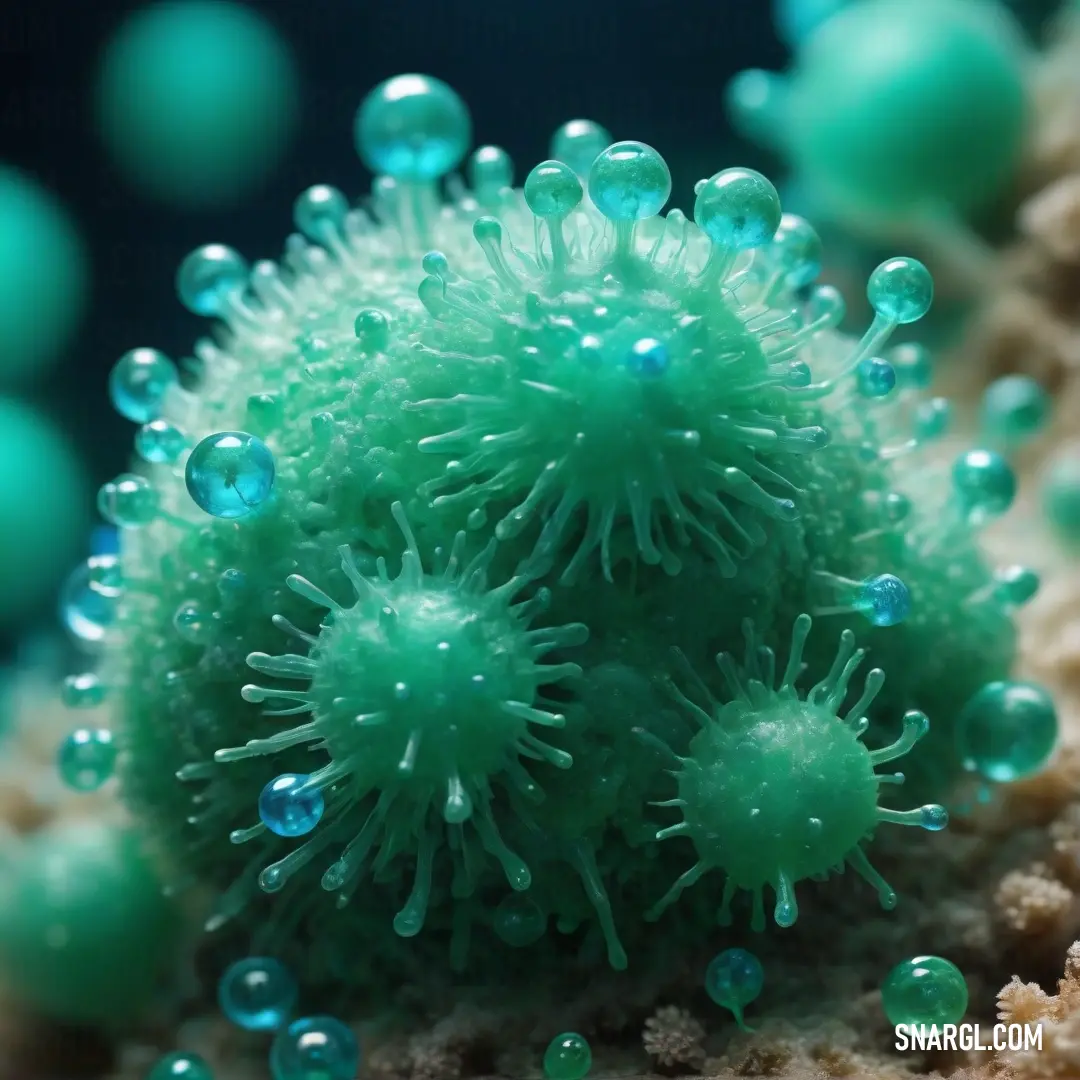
[(525, 443)]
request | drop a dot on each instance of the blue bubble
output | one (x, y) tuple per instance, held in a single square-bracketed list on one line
[(230, 473), (288, 811), (315, 1048), (412, 127), (648, 357), (257, 993), (884, 600), (208, 277)]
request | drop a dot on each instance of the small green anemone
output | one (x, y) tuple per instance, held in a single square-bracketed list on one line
[(778, 787)]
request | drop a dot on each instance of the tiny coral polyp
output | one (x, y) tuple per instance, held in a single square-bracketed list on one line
[(777, 787)]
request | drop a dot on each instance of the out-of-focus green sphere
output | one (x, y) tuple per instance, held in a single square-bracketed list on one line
[(196, 101), (44, 509), (43, 275), (901, 105), (85, 932)]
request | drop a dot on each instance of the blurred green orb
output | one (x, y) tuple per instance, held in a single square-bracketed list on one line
[(196, 101), (85, 932), (44, 509), (898, 106), (43, 278)]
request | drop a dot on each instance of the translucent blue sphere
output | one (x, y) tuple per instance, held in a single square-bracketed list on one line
[(901, 290), (86, 758), (648, 358), (913, 364), (229, 474), (286, 810), (738, 209), (552, 190), (1014, 410), (797, 246), (315, 1048), (733, 979), (320, 211), (139, 382), (490, 170), (413, 128), (160, 443), (932, 419), (876, 377), (578, 143), (629, 181), (1007, 731), (208, 276), (88, 599), (884, 600), (257, 993), (985, 484)]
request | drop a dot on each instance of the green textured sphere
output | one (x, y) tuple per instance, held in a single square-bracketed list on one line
[(822, 791), (85, 932), (896, 106), (924, 990)]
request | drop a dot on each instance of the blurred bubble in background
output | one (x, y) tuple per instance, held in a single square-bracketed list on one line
[(43, 279), (196, 101)]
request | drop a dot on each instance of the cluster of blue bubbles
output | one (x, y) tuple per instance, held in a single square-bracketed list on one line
[(196, 101)]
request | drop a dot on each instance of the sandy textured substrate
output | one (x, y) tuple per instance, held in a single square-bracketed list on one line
[(999, 892)]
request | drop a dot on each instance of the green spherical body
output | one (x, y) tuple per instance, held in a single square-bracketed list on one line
[(902, 106), (44, 507), (196, 100), (43, 272), (783, 787), (85, 932)]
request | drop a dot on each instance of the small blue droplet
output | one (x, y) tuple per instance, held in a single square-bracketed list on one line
[(315, 1048), (884, 600), (257, 993), (900, 290), (88, 599), (876, 377), (985, 484), (138, 383), (412, 127), (933, 817), (733, 979), (208, 277), (229, 474), (160, 443), (648, 358), (578, 143), (286, 810), (932, 419), (320, 211)]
